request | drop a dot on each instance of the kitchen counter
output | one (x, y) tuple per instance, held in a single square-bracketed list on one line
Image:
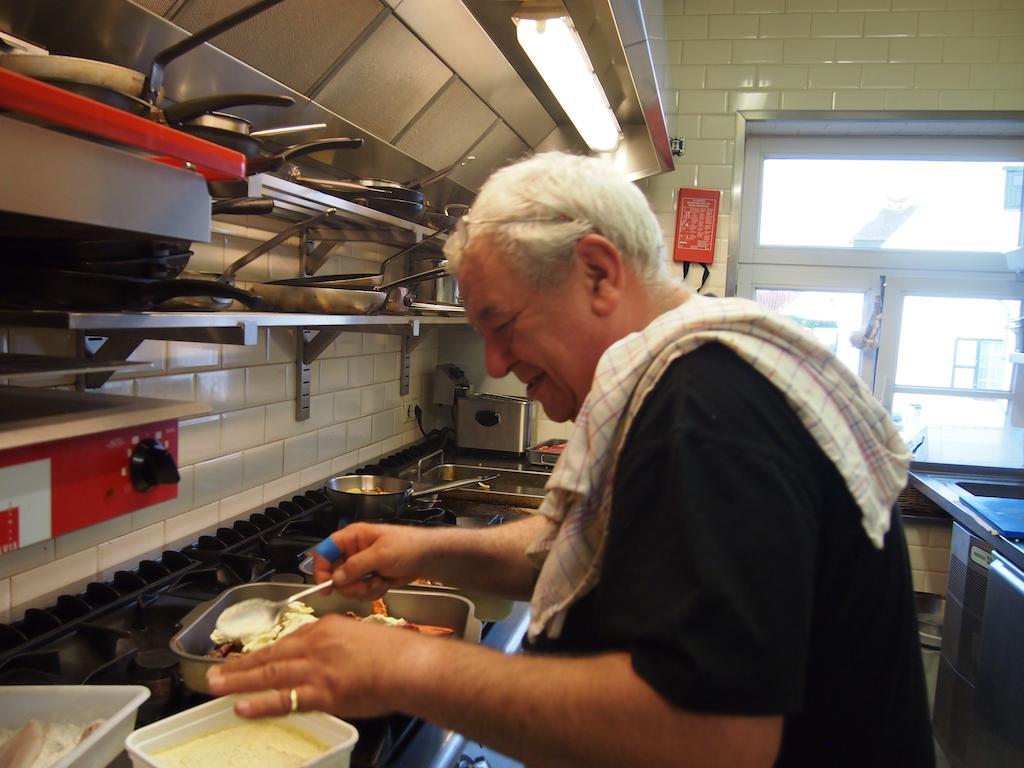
[(940, 485)]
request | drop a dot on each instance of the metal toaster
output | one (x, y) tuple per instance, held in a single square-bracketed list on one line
[(493, 422)]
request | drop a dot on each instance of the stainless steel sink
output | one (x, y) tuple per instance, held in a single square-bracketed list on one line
[(993, 490), (514, 487)]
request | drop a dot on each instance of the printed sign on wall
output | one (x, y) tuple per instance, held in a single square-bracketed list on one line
[(696, 225), (24, 504)]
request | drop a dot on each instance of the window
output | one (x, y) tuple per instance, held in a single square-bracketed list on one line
[(833, 228)]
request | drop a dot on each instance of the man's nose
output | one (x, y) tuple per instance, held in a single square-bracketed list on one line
[(498, 359)]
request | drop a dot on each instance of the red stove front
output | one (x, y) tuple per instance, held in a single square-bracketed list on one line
[(49, 489)]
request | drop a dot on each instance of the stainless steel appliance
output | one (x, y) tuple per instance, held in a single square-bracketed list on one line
[(493, 422)]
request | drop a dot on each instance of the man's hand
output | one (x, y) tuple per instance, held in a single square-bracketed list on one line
[(374, 559), (335, 665)]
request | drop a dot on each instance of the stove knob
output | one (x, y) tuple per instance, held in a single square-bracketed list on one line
[(152, 464)]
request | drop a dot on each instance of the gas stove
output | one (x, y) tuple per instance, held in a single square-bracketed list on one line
[(117, 632)]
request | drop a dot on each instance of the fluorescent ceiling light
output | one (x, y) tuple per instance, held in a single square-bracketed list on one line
[(557, 52)]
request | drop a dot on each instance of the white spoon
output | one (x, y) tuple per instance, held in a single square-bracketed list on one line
[(257, 615)]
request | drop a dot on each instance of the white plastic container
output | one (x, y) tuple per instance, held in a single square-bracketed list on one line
[(116, 705), (219, 714)]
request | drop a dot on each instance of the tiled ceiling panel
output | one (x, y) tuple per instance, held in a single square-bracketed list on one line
[(448, 127), (498, 148), (388, 79), (295, 42)]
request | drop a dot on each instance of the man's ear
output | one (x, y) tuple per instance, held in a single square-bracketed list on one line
[(603, 271)]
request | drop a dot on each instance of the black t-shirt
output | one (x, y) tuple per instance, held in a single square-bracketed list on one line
[(738, 576)]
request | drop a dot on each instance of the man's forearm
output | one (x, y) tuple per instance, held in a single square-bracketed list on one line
[(491, 560), (566, 712)]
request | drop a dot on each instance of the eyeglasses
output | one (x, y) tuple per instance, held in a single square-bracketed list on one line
[(461, 234)]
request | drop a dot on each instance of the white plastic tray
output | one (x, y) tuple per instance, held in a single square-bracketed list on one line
[(79, 705), (218, 714)]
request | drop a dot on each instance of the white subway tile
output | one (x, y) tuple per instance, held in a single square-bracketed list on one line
[(124, 388), (316, 474), (669, 100), (911, 98), (918, 5), (717, 176), (786, 25), (859, 99), (314, 377), (257, 271), (374, 343), (999, 23), (753, 52), (724, 76), (39, 586), (1008, 77), (239, 355), (887, 76), (262, 464), (732, 27), (243, 429), (321, 412), (835, 76), (969, 50), (978, 5), (966, 99), (703, 102), (741, 100), (382, 425), (392, 396), (282, 488), (1011, 50), (181, 386), (372, 399), (943, 24), (27, 557), (915, 50), (792, 6), (92, 535), (157, 513), (942, 76), (347, 404), (358, 434), (208, 257), (686, 28), (759, 6), (890, 25), (331, 442), (666, 52), (281, 421), (707, 6), (385, 367), (808, 51), (300, 452), (333, 374), (345, 463), (360, 372), (182, 530), (240, 504), (935, 583), (1008, 100), (269, 384), (686, 76), (862, 51), (394, 443), (224, 390), (781, 76), (805, 100), (370, 453), (837, 25), (347, 344), (198, 439), (189, 354), (918, 581), (218, 478), (864, 5), (152, 352), (125, 552), (707, 51), (282, 345)]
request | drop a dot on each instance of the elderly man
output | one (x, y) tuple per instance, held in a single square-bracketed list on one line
[(715, 574)]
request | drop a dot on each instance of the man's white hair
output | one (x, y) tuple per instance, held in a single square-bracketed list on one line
[(535, 210)]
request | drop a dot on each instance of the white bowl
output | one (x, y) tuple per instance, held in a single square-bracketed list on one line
[(116, 705), (339, 736)]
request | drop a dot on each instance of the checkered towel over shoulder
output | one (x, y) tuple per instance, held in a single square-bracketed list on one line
[(851, 427)]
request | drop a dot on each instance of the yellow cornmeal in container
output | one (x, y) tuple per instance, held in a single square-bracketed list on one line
[(261, 744)]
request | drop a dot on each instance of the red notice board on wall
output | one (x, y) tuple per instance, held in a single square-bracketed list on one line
[(696, 225)]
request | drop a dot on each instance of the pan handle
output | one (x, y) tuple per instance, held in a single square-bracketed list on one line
[(284, 234), (252, 206), (187, 110), (419, 277), (453, 485), (273, 162), (171, 289), (155, 79), (439, 174)]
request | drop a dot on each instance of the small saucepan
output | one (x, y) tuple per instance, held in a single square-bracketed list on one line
[(377, 497)]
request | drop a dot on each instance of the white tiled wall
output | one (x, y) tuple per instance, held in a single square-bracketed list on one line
[(714, 57), (250, 450), (928, 545)]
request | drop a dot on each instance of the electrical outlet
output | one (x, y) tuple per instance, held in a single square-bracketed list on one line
[(410, 413)]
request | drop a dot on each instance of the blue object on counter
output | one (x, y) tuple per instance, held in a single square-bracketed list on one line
[(328, 550), (1005, 515)]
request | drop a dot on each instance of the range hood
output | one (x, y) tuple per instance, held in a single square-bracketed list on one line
[(425, 83)]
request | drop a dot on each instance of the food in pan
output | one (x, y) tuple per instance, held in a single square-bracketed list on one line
[(375, 491), (299, 614), (264, 744), (39, 744)]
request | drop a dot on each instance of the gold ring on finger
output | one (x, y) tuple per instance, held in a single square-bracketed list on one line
[(293, 696)]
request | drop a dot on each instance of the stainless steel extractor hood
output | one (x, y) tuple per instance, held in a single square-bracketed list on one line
[(425, 82)]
